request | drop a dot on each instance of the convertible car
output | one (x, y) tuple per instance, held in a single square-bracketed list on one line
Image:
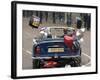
[(56, 47)]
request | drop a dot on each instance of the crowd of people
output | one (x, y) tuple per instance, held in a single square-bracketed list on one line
[(80, 21)]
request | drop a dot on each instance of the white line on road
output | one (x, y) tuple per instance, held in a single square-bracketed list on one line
[(29, 52), (86, 55), (88, 63)]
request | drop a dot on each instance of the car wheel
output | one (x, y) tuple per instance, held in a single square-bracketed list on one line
[(75, 62), (36, 63)]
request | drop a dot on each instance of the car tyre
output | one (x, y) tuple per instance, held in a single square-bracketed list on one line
[(75, 62), (36, 63)]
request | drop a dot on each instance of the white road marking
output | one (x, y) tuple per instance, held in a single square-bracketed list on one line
[(86, 55), (67, 66), (29, 52), (87, 63)]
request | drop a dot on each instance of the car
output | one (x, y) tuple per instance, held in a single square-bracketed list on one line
[(56, 47)]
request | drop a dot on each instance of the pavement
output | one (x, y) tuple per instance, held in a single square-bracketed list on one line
[(28, 34)]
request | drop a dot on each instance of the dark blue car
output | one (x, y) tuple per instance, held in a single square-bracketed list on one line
[(51, 51)]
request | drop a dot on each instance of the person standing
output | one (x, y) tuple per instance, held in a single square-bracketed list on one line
[(78, 22)]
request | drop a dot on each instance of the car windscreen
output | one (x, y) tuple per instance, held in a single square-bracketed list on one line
[(57, 32)]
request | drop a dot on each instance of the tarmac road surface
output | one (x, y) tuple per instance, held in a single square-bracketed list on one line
[(27, 36)]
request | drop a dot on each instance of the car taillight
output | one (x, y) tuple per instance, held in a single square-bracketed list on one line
[(37, 50)]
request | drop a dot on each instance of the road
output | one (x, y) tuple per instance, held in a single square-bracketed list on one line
[(27, 36)]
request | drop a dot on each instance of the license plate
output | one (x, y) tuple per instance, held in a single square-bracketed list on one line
[(56, 50)]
